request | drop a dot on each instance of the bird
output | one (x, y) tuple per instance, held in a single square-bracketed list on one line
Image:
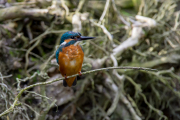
[(70, 56)]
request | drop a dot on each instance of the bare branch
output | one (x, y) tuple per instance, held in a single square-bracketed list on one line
[(49, 82), (19, 12)]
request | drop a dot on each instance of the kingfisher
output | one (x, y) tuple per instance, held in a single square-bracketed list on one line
[(70, 56)]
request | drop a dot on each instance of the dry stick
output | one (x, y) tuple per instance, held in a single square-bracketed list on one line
[(119, 15), (104, 29), (49, 82), (19, 12), (80, 5), (104, 12), (130, 108), (65, 7)]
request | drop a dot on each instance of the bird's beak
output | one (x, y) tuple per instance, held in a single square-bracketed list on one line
[(81, 38)]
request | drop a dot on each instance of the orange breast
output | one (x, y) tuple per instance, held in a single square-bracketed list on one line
[(70, 61)]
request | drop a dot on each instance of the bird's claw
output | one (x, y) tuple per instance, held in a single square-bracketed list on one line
[(65, 77), (80, 74)]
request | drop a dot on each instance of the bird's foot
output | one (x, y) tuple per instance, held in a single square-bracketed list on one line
[(65, 77), (80, 74)]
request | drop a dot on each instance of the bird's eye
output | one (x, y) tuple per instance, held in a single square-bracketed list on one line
[(72, 37)]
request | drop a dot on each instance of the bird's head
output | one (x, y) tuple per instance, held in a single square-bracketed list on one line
[(73, 37)]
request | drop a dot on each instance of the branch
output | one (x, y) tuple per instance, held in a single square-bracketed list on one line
[(80, 5), (119, 15), (104, 12), (104, 30), (130, 108), (137, 33), (49, 82), (19, 12), (37, 41)]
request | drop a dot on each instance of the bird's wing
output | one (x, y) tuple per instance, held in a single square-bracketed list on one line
[(57, 53)]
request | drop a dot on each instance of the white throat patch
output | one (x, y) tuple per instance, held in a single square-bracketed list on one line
[(63, 43)]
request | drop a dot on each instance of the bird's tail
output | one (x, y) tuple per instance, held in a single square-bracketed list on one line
[(70, 82)]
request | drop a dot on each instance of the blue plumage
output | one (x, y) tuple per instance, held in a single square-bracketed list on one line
[(68, 35), (57, 52)]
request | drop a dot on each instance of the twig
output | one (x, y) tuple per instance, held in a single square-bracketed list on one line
[(80, 5), (2, 77), (46, 63), (24, 50), (114, 102), (104, 30), (19, 12), (159, 112), (104, 12), (130, 108), (134, 105), (137, 33), (48, 31), (49, 82), (145, 21), (30, 108), (45, 111), (38, 41), (65, 7), (98, 47), (119, 15), (119, 95), (25, 79)]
